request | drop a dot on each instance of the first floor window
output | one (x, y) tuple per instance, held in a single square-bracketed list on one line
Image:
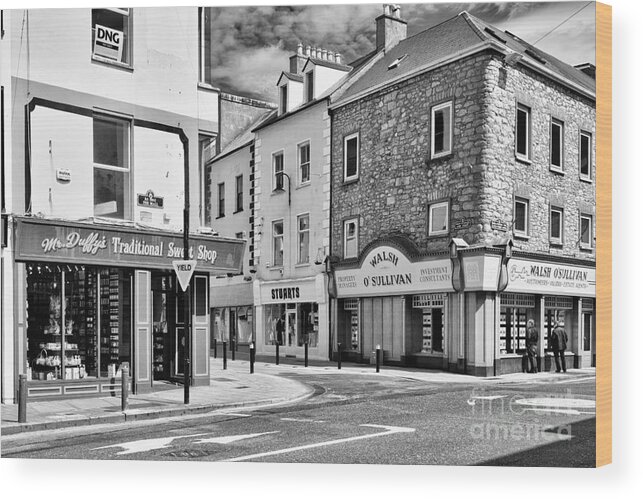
[(351, 157), (278, 170), (585, 155), (350, 238), (556, 144), (438, 218), (521, 217), (556, 225), (586, 232), (523, 132), (111, 35), (303, 229), (111, 152), (441, 129), (278, 243), (221, 200), (304, 163)]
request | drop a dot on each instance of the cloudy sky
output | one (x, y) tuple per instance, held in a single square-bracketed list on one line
[(252, 43)]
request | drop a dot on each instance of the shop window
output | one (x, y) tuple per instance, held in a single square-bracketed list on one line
[(304, 163), (303, 237), (111, 167), (585, 155), (586, 232), (556, 143), (523, 132), (277, 171), (555, 225), (556, 310), (432, 308), (239, 193), (350, 238), (111, 35), (351, 157), (283, 99), (275, 324), (439, 218), (278, 243), (521, 217), (441, 129), (221, 200), (587, 331), (515, 311), (307, 324), (205, 48)]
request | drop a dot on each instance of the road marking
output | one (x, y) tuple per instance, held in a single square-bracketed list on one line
[(303, 420), (472, 400), (146, 445), (231, 438), (239, 414), (390, 430), (558, 402), (571, 412)]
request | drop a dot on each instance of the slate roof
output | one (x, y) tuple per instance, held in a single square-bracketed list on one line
[(290, 76), (328, 64), (446, 40)]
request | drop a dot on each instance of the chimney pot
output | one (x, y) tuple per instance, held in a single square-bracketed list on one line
[(300, 49), (308, 50), (338, 58)]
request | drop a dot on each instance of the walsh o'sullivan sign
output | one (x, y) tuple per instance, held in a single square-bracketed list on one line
[(70, 242), (531, 276)]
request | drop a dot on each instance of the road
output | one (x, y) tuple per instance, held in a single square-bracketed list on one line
[(360, 419)]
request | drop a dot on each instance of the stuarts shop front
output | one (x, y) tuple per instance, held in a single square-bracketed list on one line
[(91, 299)]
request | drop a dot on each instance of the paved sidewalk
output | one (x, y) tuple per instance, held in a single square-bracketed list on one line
[(234, 387)]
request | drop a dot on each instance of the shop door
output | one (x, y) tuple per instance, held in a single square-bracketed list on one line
[(179, 336), (587, 338)]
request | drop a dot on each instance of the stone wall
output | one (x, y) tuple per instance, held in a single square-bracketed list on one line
[(398, 179)]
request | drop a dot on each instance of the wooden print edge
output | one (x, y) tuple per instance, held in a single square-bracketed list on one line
[(603, 234)]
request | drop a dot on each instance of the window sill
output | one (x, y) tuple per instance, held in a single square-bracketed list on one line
[(557, 170), (556, 244), (350, 181), (220, 216), (522, 237), (238, 211), (304, 184), (440, 157), (276, 192), (207, 87), (523, 159), (273, 268), (302, 265), (587, 180), (115, 64), (587, 249), (438, 235)]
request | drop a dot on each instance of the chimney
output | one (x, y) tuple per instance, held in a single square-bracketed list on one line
[(390, 29), (297, 60)]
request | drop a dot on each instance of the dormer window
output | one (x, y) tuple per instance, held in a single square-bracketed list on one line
[(283, 99), (309, 81)]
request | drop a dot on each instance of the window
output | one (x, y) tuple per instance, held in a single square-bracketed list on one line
[(585, 155), (439, 218), (515, 311), (586, 232), (523, 132), (351, 157), (556, 144), (111, 40), (350, 238), (303, 230), (111, 167), (304, 163), (278, 243), (278, 169), (441, 129), (521, 217), (207, 151), (221, 200), (556, 225), (239, 193), (205, 73), (309, 86), (283, 99)]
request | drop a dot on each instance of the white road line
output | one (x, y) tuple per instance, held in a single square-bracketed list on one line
[(390, 430), (303, 420), (572, 412), (231, 438), (238, 414), (146, 445)]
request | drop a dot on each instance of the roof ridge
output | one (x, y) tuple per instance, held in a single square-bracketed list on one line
[(472, 21), (429, 28)]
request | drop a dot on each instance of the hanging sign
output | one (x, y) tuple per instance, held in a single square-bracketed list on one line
[(184, 270)]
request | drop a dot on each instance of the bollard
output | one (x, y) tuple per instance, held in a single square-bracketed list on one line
[(377, 358), (225, 355), (124, 388), (339, 355), (306, 354), (22, 398), (252, 357), (277, 353), (215, 348), (186, 381), (232, 347)]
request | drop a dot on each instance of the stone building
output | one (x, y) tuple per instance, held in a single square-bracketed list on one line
[(463, 201)]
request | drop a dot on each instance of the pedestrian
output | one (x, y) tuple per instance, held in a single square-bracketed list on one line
[(532, 345), (558, 345), (280, 331)]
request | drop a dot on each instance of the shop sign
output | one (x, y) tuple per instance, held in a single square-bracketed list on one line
[(149, 200), (108, 43), (39, 240), (63, 175), (463, 223), (386, 271), (553, 279), (289, 291), (499, 225)]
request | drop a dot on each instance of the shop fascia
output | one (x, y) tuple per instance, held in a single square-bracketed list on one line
[(49, 240)]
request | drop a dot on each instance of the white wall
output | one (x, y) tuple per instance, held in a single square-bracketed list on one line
[(326, 78)]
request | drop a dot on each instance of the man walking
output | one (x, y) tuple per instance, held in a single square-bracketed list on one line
[(558, 345), (532, 345)]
